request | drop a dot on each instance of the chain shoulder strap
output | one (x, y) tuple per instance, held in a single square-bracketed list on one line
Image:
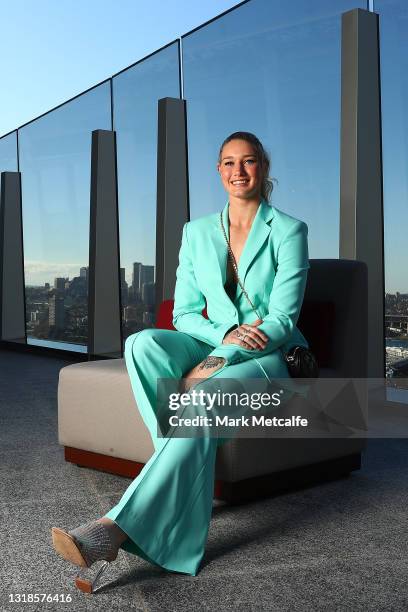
[(234, 265)]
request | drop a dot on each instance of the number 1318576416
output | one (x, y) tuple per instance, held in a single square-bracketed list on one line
[(39, 597)]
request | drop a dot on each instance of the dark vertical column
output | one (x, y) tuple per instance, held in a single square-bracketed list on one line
[(12, 294), (104, 302), (172, 192), (361, 196)]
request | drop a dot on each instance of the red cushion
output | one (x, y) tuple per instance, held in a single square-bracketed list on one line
[(165, 315)]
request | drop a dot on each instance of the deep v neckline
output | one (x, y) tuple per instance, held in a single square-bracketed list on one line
[(260, 230), (231, 282), (228, 234), (243, 246), (230, 285)]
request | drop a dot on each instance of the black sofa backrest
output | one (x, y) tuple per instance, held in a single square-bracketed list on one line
[(333, 317)]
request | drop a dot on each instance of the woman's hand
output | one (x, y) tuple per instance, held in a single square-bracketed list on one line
[(248, 336)]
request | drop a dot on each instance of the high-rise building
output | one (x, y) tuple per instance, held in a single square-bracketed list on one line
[(59, 282), (137, 267), (148, 294), (56, 312), (147, 275), (141, 275), (130, 314), (78, 287), (83, 272), (124, 289)]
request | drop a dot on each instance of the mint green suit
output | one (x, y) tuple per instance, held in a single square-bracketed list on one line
[(166, 510)]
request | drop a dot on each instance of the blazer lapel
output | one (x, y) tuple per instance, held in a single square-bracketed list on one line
[(219, 243), (258, 234)]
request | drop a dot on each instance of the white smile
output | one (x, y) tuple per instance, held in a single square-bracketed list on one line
[(244, 182)]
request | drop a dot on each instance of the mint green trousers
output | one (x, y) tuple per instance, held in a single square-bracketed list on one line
[(166, 510)]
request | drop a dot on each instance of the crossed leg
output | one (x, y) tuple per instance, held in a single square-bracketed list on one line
[(166, 510)]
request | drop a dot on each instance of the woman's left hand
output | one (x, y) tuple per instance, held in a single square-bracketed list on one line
[(248, 336)]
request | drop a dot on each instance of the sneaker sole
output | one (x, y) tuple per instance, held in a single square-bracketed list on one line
[(65, 546)]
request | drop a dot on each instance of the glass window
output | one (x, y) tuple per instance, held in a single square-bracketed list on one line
[(8, 153), (136, 92), (394, 104), (55, 164), (271, 68)]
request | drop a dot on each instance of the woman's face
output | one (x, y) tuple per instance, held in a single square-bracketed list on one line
[(240, 170)]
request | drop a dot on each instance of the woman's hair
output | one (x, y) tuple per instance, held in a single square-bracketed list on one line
[(263, 157)]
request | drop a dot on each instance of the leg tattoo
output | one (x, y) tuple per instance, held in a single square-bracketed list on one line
[(211, 362)]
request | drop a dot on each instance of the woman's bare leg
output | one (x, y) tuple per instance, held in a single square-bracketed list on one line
[(203, 370)]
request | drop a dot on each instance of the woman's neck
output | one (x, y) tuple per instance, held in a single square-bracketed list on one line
[(242, 212)]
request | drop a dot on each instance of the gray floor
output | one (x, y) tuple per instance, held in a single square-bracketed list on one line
[(337, 546)]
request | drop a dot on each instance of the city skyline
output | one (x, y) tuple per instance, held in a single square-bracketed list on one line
[(72, 266), (51, 269), (58, 310)]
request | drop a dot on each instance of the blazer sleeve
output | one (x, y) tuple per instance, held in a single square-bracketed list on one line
[(189, 301), (285, 299)]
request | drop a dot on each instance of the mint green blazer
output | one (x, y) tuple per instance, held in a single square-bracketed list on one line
[(273, 268)]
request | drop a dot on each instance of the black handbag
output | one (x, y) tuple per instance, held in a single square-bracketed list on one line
[(300, 360)]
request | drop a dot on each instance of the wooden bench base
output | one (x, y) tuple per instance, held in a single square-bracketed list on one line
[(232, 492)]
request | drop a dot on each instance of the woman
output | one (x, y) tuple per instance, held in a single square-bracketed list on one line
[(165, 513)]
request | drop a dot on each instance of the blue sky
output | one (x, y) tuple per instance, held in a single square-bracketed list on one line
[(51, 51), (54, 49)]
